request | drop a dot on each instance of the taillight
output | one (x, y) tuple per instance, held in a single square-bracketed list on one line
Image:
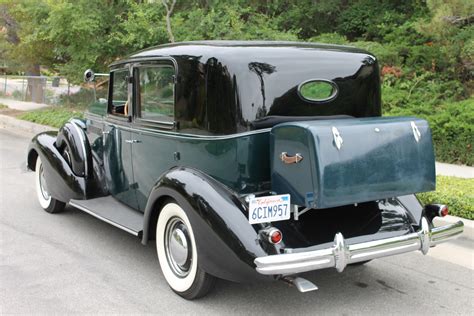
[(276, 236), (272, 234), (443, 211), (433, 210)]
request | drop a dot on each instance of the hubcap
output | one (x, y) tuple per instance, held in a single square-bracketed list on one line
[(178, 247), (43, 185)]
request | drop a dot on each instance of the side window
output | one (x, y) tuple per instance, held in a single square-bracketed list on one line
[(156, 93), (119, 92)]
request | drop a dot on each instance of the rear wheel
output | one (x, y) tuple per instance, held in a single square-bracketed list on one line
[(48, 203), (177, 254)]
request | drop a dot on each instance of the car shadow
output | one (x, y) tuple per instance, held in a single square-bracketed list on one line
[(357, 285)]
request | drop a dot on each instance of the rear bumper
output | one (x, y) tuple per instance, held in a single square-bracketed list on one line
[(341, 254)]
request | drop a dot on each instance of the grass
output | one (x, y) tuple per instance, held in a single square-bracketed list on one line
[(456, 193), (52, 116), (3, 106)]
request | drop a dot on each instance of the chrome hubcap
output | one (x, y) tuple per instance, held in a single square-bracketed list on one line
[(43, 185), (178, 247)]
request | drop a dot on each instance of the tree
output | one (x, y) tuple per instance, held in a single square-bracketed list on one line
[(28, 45), (169, 10)]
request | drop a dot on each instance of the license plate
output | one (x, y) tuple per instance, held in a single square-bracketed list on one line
[(270, 208)]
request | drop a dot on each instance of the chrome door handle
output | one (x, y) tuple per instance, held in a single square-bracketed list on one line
[(290, 159), (133, 141), (105, 132)]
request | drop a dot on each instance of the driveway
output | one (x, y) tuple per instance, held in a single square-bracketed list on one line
[(73, 263)]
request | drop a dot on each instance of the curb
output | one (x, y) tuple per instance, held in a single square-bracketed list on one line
[(468, 225), (31, 128)]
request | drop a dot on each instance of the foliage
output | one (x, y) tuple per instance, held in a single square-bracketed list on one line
[(456, 193), (425, 48), (82, 98), (3, 106), (52, 116)]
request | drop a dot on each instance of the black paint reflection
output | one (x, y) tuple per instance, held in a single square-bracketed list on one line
[(261, 69)]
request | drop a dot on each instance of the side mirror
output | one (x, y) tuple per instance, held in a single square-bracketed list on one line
[(89, 75)]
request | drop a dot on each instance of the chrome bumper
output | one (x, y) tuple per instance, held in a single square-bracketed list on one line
[(341, 254)]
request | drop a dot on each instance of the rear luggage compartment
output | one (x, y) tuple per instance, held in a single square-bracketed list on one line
[(331, 163)]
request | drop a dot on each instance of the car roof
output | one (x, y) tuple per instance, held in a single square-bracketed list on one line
[(219, 48)]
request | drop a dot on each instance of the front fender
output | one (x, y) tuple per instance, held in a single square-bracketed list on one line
[(227, 244), (63, 184), (72, 135)]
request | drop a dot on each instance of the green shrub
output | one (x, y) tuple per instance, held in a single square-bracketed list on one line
[(456, 193), (428, 97), (330, 38), (82, 98), (17, 95)]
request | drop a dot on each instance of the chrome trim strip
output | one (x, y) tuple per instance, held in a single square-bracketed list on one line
[(341, 254), (80, 131), (86, 210), (162, 132)]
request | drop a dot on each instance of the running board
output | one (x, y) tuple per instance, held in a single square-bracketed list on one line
[(113, 212)]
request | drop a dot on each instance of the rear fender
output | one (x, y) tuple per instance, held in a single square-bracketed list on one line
[(227, 244)]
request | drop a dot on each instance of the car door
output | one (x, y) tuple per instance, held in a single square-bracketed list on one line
[(154, 150), (117, 139)]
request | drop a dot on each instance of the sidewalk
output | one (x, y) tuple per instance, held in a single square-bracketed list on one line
[(460, 171), (21, 105)]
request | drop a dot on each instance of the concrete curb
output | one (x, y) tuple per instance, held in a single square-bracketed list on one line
[(30, 128), (468, 225)]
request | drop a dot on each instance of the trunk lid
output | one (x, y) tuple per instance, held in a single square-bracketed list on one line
[(347, 161)]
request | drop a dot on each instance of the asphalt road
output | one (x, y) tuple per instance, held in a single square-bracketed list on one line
[(73, 263)]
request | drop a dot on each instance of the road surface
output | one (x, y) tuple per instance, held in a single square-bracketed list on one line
[(74, 263)]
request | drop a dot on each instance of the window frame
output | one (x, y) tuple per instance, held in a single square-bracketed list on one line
[(120, 117), (157, 63)]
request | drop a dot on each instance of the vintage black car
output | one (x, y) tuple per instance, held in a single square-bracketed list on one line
[(247, 161)]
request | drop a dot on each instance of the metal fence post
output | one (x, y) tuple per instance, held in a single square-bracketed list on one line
[(23, 93)]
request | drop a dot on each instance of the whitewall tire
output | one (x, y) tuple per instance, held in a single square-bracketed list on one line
[(48, 203), (177, 254)]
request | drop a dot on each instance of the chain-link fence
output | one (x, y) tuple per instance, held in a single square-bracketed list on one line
[(50, 90)]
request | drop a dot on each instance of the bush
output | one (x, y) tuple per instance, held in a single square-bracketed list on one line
[(451, 122), (456, 193), (330, 38), (82, 98)]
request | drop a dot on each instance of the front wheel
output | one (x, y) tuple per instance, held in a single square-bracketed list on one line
[(48, 203), (177, 254)]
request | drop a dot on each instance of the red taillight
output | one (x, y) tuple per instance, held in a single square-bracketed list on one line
[(443, 211), (275, 236), (272, 234)]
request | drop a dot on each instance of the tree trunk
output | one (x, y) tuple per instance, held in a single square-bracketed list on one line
[(169, 11), (35, 87)]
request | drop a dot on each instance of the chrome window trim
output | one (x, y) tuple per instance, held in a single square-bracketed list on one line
[(324, 100)]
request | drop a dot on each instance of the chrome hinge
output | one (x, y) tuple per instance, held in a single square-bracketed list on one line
[(416, 131), (132, 141), (337, 138)]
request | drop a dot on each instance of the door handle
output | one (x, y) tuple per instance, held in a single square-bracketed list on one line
[(133, 141), (105, 132), (290, 159)]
